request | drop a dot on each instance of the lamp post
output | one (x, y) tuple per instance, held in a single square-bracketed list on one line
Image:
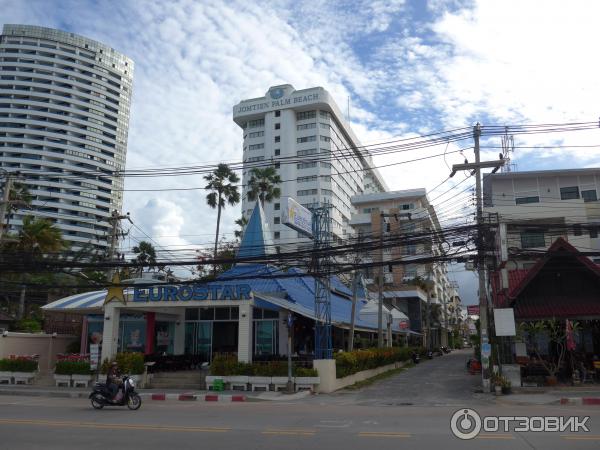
[(290, 323)]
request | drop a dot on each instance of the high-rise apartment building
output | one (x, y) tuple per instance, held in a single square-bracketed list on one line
[(64, 117), (320, 160)]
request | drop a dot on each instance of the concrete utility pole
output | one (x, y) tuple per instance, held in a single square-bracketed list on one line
[(4, 206), (355, 277), (380, 285), (483, 304), (115, 221)]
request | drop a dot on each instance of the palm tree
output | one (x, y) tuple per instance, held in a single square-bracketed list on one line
[(224, 190), (263, 184), (37, 239), (241, 222), (146, 255)]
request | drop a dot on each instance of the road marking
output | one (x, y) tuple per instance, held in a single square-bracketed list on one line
[(495, 436), (581, 438), (111, 426), (289, 432), (390, 434)]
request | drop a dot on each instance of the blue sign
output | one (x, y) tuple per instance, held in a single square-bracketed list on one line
[(276, 93), (189, 292)]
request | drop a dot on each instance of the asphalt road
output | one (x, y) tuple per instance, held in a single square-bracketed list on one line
[(327, 422)]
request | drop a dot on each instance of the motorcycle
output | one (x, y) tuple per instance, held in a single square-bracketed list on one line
[(415, 358), (126, 395), (446, 349)]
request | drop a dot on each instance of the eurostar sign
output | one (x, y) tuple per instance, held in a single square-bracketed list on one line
[(192, 292)]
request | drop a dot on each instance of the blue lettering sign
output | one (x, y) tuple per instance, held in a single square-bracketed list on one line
[(192, 292)]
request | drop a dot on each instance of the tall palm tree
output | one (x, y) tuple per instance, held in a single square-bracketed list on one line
[(145, 254), (263, 184), (222, 184), (241, 222)]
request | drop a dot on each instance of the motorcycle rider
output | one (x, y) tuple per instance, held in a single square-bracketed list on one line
[(113, 379)]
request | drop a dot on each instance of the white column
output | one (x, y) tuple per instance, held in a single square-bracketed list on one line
[(179, 337), (110, 335), (245, 333)]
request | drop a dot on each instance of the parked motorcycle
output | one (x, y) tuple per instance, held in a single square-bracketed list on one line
[(415, 357), (446, 349), (101, 395), (429, 355)]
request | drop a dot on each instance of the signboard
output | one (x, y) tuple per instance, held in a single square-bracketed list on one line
[(189, 292), (297, 217), (94, 356), (504, 321), (473, 310)]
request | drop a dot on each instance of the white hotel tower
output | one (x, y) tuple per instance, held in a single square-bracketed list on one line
[(64, 117), (327, 165)]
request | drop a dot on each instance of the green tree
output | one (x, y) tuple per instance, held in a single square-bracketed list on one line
[(263, 184), (222, 184), (241, 222), (146, 255)]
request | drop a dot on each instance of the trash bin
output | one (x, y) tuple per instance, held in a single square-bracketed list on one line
[(218, 384)]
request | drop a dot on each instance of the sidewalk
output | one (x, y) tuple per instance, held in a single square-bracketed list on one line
[(568, 395), (154, 394)]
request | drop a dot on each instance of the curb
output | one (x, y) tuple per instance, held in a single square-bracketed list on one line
[(580, 401)]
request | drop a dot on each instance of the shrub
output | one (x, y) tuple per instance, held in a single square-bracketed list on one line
[(348, 363), (131, 363), (73, 368), (305, 372), (228, 366), (18, 365)]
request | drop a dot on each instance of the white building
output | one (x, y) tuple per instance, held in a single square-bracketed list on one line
[(64, 117), (537, 207), (320, 160)]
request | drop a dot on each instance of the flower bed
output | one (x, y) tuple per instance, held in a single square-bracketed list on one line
[(348, 363), (131, 363), (228, 366), (18, 364), (67, 367)]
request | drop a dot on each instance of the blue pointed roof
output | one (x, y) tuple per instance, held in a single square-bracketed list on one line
[(256, 241)]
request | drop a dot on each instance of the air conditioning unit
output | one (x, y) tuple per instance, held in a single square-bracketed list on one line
[(388, 278)]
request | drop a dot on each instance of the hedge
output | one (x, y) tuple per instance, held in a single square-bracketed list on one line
[(72, 368), (229, 366), (18, 365), (348, 363), (131, 363)]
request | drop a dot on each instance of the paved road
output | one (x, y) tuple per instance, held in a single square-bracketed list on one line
[(442, 381), (411, 410)]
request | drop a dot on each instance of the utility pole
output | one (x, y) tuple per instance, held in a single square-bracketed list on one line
[(483, 304), (115, 222), (355, 276), (5, 205), (380, 285)]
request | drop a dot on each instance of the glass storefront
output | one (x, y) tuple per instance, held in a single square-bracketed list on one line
[(132, 333), (164, 333), (266, 332)]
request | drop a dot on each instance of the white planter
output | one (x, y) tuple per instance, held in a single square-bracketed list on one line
[(62, 379), (259, 382), (279, 382), (23, 377), (5, 376), (81, 380), (306, 382), (238, 381)]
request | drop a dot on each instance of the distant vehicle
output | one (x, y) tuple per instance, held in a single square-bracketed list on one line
[(101, 396)]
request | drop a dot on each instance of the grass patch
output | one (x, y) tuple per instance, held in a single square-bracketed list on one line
[(381, 376)]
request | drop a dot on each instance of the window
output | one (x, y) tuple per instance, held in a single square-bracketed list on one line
[(531, 239), (277, 234), (525, 200), (255, 158), (256, 134), (276, 220), (309, 151), (306, 179), (277, 152), (256, 146), (408, 206), (309, 165), (324, 114), (569, 193), (276, 206), (256, 123), (306, 139), (305, 192), (306, 115), (277, 113), (577, 230), (277, 126), (589, 196), (306, 126), (277, 138), (593, 232), (325, 139)]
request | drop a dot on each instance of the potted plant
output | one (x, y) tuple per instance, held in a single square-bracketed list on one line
[(495, 381), (21, 368), (505, 384)]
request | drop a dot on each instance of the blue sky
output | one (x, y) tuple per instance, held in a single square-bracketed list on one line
[(408, 67)]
